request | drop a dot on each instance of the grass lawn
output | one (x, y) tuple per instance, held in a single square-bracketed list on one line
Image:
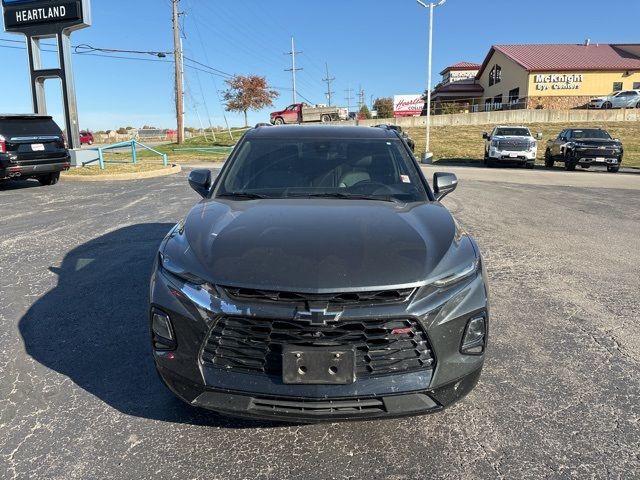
[(466, 143), (142, 166)]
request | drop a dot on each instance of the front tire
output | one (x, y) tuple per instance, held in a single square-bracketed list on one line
[(530, 165), (569, 162), (279, 121), (606, 105), (51, 179), (615, 169), (548, 159)]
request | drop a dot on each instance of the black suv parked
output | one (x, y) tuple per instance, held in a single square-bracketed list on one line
[(32, 146), (320, 278), (584, 147)]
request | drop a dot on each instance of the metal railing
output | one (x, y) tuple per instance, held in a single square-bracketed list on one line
[(134, 153)]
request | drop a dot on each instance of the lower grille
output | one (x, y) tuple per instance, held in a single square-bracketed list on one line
[(596, 152), (382, 346), (326, 407)]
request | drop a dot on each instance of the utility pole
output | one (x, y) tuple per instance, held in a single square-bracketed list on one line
[(328, 80), (361, 97), (348, 98), (177, 50), (293, 69)]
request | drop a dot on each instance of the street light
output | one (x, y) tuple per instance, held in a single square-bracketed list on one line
[(428, 155)]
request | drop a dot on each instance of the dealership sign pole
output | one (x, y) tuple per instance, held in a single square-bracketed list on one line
[(39, 20)]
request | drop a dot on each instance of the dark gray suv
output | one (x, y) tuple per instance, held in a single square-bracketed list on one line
[(320, 278)]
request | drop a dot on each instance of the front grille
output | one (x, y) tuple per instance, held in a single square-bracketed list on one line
[(382, 346), (596, 152), (513, 145), (373, 297), (355, 406)]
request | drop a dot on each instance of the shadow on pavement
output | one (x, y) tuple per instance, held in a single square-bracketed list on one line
[(8, 185), (93, 328)]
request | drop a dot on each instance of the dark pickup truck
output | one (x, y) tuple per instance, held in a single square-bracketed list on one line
[(32, 146), (584, 147)]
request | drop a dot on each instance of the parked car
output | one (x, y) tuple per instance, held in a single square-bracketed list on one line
[(509, 144), (32, 146), (405, 136), (86, 138), (320, 278), (623, 99), (303, 113), (584, 147)]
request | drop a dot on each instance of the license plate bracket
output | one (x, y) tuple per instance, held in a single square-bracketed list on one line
[(37, 147), (513, 155), (318, 365)]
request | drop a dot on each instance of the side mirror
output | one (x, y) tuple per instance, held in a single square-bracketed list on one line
[(539, 136), (200, 181), (485, 135), (444, 184)]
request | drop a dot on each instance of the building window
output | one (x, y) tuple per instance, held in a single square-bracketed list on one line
[(495, 76), (636, 85), (617, 86), (497, 102), (514, 95)]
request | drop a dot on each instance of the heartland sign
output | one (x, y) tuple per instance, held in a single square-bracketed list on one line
[(45, 16), (408, 105)]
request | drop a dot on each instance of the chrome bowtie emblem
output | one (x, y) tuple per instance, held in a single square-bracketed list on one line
[(318, 316)]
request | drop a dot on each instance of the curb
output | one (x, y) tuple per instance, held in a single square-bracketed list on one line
[(123, 176)]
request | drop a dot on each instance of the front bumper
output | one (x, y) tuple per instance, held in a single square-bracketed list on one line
[(443, 316), (308, 409), (507, 156), (591, 160)]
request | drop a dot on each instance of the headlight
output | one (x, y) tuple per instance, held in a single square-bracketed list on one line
[(475, 334), (163, 337), (459, 276), (174, 269), (533, 145), (494, 143)]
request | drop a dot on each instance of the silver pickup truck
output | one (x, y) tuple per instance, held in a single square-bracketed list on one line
[(509, 144)]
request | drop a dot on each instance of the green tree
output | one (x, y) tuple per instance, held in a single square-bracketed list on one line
[(384, 107), (364, 112), (248, 93)]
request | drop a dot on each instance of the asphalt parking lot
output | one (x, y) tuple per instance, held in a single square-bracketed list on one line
[(559, 397)]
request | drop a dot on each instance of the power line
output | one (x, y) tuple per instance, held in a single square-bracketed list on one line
[(328, 80), (293, 68)]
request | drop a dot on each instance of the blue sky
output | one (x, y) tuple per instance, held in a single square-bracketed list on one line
[(379, 45)]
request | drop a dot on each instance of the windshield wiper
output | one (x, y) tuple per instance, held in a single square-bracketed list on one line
[(347, 196), (242, 195)]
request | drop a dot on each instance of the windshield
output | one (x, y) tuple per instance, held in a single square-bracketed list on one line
[(590, 133), (377, 169), (516, 132)]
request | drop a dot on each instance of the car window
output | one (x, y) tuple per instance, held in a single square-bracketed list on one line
[(591, 133), (519, 132), (295, 168)]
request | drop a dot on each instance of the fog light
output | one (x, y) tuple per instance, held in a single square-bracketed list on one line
[(163, 338), (474, 339)]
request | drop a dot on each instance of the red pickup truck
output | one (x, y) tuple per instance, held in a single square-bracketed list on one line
[(301, 112)]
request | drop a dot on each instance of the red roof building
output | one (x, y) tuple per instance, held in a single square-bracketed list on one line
[(556, 76)]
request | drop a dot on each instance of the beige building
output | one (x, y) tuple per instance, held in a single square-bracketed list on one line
[(555, 76)]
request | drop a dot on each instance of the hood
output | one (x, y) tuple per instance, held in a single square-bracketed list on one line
[(512, 137), (318, 245)]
